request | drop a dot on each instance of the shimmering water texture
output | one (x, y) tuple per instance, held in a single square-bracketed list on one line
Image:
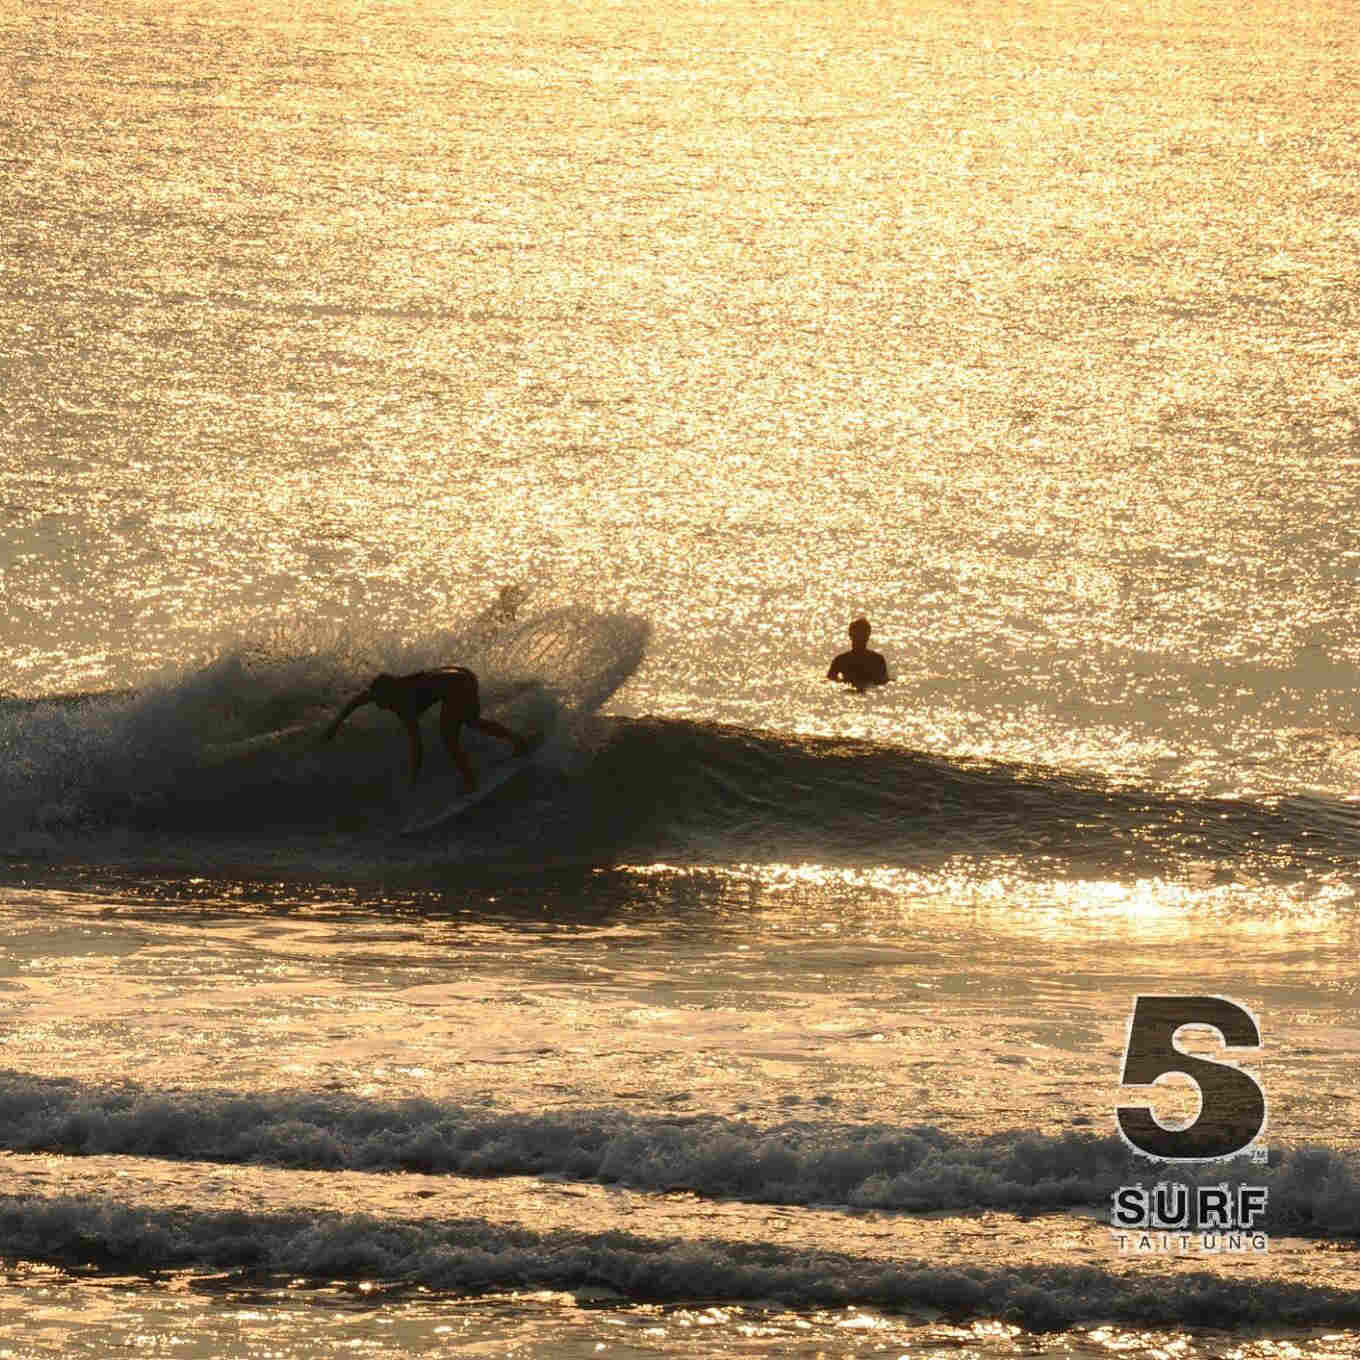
[(1026, 328), (624, 353)]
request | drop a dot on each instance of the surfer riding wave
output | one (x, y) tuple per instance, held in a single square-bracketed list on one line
[(408, 696)]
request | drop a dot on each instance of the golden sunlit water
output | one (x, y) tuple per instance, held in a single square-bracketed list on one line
[(626, 352)]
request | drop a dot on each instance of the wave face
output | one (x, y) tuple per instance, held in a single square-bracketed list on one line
[(226, 759), (729, 793), (600, 790)]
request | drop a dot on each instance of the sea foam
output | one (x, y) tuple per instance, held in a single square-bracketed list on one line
[(872, 1166)]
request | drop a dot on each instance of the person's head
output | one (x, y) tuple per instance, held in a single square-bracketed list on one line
[(859, 632), (384, 689)]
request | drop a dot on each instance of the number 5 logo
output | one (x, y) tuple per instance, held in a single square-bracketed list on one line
[(1232, 1106)]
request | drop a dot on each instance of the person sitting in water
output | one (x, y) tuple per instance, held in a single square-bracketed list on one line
[(408, 696), (859, 666)]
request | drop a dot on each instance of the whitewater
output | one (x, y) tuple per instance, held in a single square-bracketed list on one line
[(625, 354)]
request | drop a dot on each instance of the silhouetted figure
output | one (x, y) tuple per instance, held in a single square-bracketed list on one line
[(408, 696), (859, 666)]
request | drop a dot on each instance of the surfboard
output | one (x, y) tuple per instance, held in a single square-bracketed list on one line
[(426, 820)]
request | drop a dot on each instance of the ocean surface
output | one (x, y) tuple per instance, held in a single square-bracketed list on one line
[(625, 352)]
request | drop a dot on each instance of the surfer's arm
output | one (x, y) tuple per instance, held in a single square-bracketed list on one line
[(358, 701)]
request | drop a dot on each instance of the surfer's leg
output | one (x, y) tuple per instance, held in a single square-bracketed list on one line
[(449, 724), (463, 700), (494, 729), (413, 740)]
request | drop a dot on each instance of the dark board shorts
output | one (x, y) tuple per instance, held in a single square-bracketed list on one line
[(458, 690)]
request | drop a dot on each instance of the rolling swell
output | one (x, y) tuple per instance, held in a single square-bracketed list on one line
[(662, 787)]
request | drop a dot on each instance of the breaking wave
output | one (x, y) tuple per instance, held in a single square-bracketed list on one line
[(223, 764), (888, 1167), (471, 1255)]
